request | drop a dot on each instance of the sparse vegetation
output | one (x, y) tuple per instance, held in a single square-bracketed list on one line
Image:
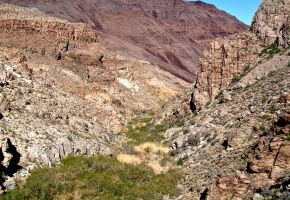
[(271, 74), (239, 77), (264, 99), (219, 97), (142, 130), (179, 161), (271, 50), (96, 178), (194, 140), (262, 128), (186, 131)]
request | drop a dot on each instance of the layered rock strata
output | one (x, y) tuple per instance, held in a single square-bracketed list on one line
[(27, 21)]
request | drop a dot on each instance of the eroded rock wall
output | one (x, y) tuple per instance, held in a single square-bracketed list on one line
[(28, 21), (272, 22), (225, 60)]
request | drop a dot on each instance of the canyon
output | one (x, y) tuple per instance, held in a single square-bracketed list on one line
[(114, 78)]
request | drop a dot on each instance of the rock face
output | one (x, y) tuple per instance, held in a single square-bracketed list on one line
[(28, 21), (225, 60), (171, 34), (231, 58), (272, 22)]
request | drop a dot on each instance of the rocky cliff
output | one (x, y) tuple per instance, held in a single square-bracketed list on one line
[(272, 22), (170, 34), (28, 21), (231, 58), (225, 60), (267, 167)]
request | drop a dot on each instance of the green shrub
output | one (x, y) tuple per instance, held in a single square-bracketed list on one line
[(142, 130), (194, 140), (179, 161), (96, 178), (271, 74), (186, 131), (271, 50)]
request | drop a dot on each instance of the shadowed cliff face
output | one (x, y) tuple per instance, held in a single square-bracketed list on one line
[(171, 34)]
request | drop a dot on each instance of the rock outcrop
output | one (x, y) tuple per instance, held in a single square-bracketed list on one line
[(27, 21), (225, 60), (171, 34), (238, 147), (272, 22), (231, 58)]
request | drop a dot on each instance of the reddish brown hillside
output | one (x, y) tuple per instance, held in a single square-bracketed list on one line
[(168, 33)]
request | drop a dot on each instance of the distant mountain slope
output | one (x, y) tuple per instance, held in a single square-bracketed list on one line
[(168, 33)]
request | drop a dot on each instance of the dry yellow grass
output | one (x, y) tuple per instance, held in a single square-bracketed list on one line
[(129, 159), (150, 148), (148, 155), (156, 167)]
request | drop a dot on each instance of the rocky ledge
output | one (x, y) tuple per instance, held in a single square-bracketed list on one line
[(27, 21)]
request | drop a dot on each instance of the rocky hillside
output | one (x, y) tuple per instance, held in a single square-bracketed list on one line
[(232, 146), (46, 124), (171, 34), (71, 59), (235, 134)]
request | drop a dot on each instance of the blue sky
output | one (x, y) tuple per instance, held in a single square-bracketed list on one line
[(244, 10)]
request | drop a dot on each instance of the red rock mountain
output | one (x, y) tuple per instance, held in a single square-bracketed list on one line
[(169, 33)]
